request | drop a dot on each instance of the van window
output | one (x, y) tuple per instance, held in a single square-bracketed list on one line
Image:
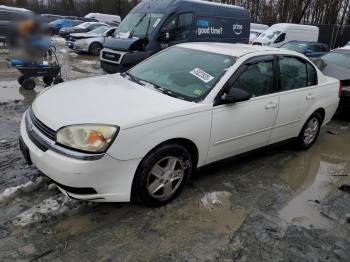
[(180, 27), (293, 73), (257, 79), (184, 26), (281, 38)]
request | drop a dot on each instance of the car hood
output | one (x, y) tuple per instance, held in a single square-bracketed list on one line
[(108, 99), (121, 44), (84, 35)]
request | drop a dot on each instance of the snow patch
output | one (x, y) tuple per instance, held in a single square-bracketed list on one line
[(47, 209), (12, 192), (216, 199)]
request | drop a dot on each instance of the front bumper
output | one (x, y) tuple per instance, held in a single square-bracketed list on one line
[(103, 180)]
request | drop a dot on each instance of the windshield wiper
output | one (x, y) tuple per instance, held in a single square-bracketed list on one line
[(137, 24), (162, 89), (132, 78)]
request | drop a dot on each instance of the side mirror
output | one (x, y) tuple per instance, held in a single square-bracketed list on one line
[(308, 52), (164, 35), (235, 95)]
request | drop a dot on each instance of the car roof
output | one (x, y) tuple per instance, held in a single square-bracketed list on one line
[(236, 50)]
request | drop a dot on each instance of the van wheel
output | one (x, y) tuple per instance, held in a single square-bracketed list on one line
[(162, 175), (309, 132), (95, 49), (28, 84)]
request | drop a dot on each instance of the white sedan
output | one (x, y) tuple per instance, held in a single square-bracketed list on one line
[(138, 136)]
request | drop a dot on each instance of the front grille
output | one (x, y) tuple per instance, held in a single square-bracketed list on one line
[(45, 130), (111, 56)]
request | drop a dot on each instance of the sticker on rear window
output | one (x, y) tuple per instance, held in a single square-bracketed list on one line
[(205, 77)]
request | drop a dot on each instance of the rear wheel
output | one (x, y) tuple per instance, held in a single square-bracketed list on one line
[(162, 175), (58, 80), (95, 49), (28, 84), (309, 132), (21, 79)]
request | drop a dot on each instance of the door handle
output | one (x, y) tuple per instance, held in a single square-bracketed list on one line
[(310, 97), (271, 106)]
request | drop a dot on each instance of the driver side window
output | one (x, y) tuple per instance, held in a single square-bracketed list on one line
[(257, 79), (180, 27)]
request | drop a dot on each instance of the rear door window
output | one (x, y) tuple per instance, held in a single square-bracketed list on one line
[(296, 73), (256, 79)]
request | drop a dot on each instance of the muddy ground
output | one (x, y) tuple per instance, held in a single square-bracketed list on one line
[(276, 204)]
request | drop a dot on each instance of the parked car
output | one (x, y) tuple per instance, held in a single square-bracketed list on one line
[(10, 15), (309, 49), (279, 34), (155, 25), (139, 135), (81, 28), (57, 25), (50, 17), (256, 30), (90, 42), (106, 18), (337, 64)]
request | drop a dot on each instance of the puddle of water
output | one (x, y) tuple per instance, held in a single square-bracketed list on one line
[(75, 225), (313, 175)]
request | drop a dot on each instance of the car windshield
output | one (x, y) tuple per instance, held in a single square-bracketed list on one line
[(338, 59), (183, 72), (99, 30), (84, 25), (138, 24), (298, 47), (270, 34)]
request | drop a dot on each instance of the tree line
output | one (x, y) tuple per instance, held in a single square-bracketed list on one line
[(262, 11), (296, 11)]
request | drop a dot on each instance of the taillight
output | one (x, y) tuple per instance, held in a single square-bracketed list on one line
[(340, 89)]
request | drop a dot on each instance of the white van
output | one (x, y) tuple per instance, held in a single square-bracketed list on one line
[(106, 18), (278, 34), (256, 30)]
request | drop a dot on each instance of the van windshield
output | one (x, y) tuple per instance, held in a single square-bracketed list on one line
[(182, 72), (138, 24), (270, 34)]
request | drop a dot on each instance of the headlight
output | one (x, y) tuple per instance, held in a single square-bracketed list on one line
[(89, 138)]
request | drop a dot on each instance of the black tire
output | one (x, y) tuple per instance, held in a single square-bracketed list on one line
[(95, 49), (143, 176), (58, 80), (48, 80), (301, 142), (28, 84), (21, 79)]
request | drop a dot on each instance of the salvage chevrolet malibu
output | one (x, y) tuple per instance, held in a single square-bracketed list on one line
[(138, 136)]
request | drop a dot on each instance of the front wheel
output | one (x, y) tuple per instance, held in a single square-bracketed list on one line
[(95, 49), (309, 132), (162, 175)]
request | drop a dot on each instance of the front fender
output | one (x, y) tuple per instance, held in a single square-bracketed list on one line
[(136, 142)]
